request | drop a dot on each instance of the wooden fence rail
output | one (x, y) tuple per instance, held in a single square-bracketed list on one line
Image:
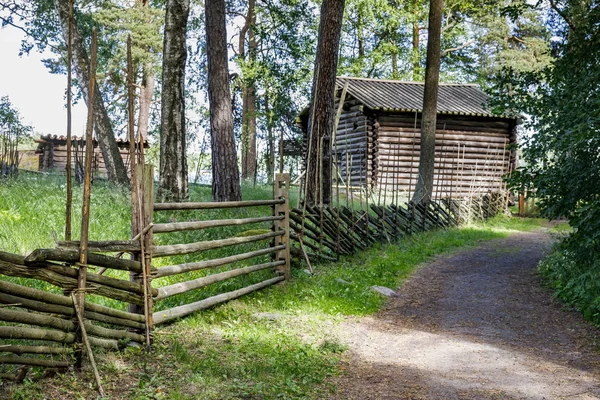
[(278, 247)]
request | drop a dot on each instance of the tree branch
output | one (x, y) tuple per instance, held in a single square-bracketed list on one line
[(450, 50), (563, 15)]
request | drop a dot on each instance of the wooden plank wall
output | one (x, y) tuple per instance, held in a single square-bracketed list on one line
[(472, 154), (55, 158), (353, 145)]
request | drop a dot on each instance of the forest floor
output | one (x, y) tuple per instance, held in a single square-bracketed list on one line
[(476, 324)]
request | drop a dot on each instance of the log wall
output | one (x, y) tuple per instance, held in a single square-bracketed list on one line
[(52, 155), (381, 150)]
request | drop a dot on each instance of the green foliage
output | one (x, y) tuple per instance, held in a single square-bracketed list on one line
[(277, 343), (12, 132), (561, 158), (576, 283)]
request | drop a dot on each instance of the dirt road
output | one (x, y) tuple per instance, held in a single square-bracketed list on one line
[(474, 325)]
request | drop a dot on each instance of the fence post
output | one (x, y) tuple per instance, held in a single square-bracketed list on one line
[(281, 190), (148, 219)]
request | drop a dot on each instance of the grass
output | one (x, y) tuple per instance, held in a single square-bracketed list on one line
[(279, 343)]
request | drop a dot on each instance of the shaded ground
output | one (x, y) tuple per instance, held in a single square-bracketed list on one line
[(474, 325)]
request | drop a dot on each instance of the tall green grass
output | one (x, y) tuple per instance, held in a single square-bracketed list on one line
[(277, 343)]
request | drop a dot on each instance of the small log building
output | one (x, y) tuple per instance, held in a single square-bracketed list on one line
[(378, 137), (52, 153)]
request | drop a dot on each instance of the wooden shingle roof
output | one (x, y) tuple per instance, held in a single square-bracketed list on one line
[(387, 95)]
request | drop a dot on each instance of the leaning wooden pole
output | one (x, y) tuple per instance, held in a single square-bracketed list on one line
[(68, 167), (88, 348), (87, 187)]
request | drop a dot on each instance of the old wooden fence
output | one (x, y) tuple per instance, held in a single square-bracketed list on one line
[(53, 313), (40, 325), (327, 232)]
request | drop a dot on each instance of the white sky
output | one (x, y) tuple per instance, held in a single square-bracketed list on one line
[(36, 93)]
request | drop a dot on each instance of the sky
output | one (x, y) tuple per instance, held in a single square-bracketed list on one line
[(36, 93)]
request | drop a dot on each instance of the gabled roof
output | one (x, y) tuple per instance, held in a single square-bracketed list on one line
[(387, 95)]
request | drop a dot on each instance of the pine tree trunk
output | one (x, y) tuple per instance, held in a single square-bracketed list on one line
[(226, 178), (105, 136), (249, 98), (322, 114), (270, 156), (424, 187), (173, 184)]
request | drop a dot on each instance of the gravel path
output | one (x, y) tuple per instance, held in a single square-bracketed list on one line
[(474, 325)]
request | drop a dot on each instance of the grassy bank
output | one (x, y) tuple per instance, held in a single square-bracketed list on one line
[(277, 343)]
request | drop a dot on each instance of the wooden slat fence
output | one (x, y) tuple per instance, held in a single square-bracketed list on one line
[(276, 244)]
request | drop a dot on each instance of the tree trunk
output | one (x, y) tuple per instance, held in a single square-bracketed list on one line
[(322, 113), (249, 97), (270, 156), (226, 178), (146, 94), (424, 187), (105, 136), (173, 183)]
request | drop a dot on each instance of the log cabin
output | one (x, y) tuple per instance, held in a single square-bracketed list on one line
[(52, 153), (377, 140)]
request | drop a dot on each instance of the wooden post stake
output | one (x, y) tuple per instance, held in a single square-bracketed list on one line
[(87, 346), (87, 188), (147, 212), (68, 167), (281, 190)]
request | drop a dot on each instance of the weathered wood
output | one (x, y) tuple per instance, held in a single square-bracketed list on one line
[(313, 256), (194, 266), (30, 318), (311, 231), (109, 344), (281, 191), (214, 205), (40, 362), (179, 249), (47, 297), (94, 316), (93, 311), (108, 246), (35, 305), (18, 349), (50, 275), (84, 337), (72, 256), (117, 334), (182, 287), (188, 226), (162, 317), (20, 332)]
